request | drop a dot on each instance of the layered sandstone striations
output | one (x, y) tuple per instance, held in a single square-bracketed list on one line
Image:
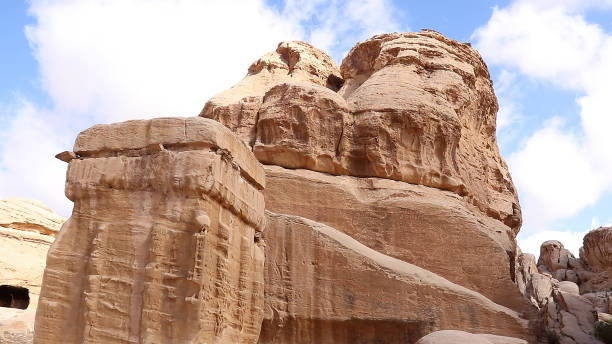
[(414, 107), (323, 286), (27, 229), (29, 215), (403, 159), (163, 244)]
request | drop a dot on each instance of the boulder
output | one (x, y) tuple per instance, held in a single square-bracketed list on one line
[(164, 242), (323, 286), (462, 337), (300, 126), (424, 112)]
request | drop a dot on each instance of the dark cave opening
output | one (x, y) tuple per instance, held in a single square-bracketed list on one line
[(14, 297)]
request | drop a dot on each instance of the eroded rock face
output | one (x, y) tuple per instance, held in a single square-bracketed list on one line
[(323, 286), (29, 215), (24, 247), (597, 249), (162, 245), (422, 110), (403, 159), (292, 61), (431, 228)]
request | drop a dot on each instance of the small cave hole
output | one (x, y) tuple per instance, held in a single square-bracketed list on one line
[(334, 82), (14, 297)]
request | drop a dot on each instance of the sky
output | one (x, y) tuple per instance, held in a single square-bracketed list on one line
[(67, 65)]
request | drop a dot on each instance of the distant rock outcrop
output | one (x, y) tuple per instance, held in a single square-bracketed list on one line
[(572, 294), (29, 215), (27, 229)]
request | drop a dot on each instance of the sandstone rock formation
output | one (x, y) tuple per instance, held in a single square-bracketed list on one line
[(571, 297), (24, 242), (237, 107), (323, 286), (29, 215), (391, 213), (163, 244)]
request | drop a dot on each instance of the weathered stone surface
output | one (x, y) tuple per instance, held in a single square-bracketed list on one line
[(24, 250), (424, 112), (525, 267), (161, 246), (29, 215), (597, 249), (433, 229), (237, 107), (300, 126), (323, 286), (22, 265), (461, 337)]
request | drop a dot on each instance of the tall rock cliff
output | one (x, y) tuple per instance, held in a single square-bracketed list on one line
[(389, 212), (401, 158), (163, 245)]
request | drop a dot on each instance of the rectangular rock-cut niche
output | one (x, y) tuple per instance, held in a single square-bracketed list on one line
[(161, 245)]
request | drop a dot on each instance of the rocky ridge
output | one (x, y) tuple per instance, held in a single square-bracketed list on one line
[(573, 295), (381, 191)]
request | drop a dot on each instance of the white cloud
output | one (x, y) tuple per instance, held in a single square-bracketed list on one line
[(342, 23), (104, 61), (559, 170), (507, 91)]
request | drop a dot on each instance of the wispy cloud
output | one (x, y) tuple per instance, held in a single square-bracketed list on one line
[(560, 169), (104, 61)]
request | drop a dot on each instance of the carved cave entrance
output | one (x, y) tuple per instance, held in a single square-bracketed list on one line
[(14, 297)]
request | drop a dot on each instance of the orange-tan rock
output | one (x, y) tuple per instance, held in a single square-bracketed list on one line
[(323, 286), (422, 110), (237, 107), (162, 245), (433, 229)]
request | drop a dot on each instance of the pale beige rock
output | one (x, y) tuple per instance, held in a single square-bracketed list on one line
[(569, 287), (29, 215), (434, 229), (322, 286), (161, 246), (525, 267), (461, 337), (541, 288), (237, 107), (24, 250), (22, 265)]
